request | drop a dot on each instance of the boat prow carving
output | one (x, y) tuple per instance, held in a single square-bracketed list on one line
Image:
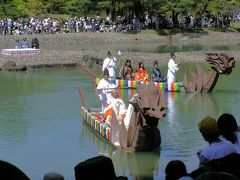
[(204, 82)]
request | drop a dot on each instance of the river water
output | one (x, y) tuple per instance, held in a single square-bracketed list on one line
[(41, 128)]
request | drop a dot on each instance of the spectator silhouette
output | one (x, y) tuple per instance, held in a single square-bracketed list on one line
[(228, 127), (11, 172), (53, 176), (175, 170), (216, 176), (97, 168)]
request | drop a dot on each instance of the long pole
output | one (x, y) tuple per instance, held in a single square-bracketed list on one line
[(82, 98), (89, 72)]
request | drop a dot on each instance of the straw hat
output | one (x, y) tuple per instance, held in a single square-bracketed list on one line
[(208, 125)]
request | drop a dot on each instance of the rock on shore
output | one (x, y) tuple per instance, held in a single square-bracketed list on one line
[(73, 49)]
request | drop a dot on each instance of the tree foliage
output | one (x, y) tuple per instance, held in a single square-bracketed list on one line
[(138, 8)]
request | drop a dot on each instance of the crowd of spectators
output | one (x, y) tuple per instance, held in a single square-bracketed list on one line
[(37, 25)]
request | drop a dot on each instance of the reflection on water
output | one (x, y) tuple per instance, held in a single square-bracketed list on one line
[(137, 166)]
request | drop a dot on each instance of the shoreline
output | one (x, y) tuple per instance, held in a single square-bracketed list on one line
[(71, 49)]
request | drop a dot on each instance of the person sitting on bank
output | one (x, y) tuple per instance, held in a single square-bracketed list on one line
[(116, 106), (104, 90), (24, 43), (17, 44), (127, 70), (228, 127), (141, 74), (35, 43), (217, 148), (156, 74)]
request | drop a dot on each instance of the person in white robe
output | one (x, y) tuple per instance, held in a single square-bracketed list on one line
[(116, 106), (104, 89), (109, 63), (172, 69)]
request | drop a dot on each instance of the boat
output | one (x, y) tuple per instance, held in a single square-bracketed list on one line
[(174, 87), (140, 131), (94, 119), (198, 81)]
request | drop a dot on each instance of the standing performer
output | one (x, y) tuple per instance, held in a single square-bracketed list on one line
[(172, 69), (104, 90), (110, 64)]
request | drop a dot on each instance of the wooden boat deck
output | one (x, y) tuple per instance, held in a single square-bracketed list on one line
[(94, 120), (164, 86)]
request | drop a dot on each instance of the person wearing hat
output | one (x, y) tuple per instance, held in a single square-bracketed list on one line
[(109, 63), (156, 74), (104, 90), (217, 147)]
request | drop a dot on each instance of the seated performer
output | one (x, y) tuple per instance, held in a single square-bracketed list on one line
[(141, 74), (116, 106), (127, 71), (156, 74)]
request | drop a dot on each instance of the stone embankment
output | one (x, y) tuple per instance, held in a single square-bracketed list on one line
[(89, 49)]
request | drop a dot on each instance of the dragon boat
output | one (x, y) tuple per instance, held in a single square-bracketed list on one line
[(147, 106), (140, 132), (198, 81)]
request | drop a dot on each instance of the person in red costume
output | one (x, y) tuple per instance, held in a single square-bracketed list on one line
[(141, 74)]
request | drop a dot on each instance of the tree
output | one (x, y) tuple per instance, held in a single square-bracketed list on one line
[(80, 7), (36, 7)]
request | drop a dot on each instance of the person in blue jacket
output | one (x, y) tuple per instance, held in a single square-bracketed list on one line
[(17, 44), (24, 43)]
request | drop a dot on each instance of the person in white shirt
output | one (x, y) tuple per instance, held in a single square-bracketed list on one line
[(217, 148), (172, 69), (104, 88), (229, 129), (110, 64)]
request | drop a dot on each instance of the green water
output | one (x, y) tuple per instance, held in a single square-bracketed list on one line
[(41, 128), (156, 48)]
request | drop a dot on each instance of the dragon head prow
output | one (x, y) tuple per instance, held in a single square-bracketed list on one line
[(201, 81), (221, 62)]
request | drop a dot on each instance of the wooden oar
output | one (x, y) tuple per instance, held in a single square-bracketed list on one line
[(89, 72), (82, 98)]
